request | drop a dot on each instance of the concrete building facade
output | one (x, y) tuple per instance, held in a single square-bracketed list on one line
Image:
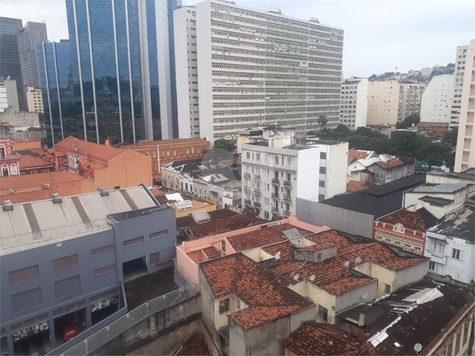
[(465, 154), (60, 271), (410, 95), (354, 102), (11, 92), (257, 68), (34, 98), (459, 70), (383, 101), (274, 177), (437, 99)]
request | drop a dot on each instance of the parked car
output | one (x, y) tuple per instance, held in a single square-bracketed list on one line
[(69, 332)]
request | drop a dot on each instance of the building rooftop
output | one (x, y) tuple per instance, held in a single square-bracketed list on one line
[(416, 314), (436, 201), (395, 163), (324, 339), (444, 188), (354, 155), (189, 221), (378, 201), (355, 186), (168, 143), (468, 174), (267, 299), (88, 149), (181, 201), (44, 222), (27, 182), (459, 224), (33, 162), (419, 220), (27, 196), (219, 226)]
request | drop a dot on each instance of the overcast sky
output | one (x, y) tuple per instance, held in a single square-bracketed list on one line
[(380, 35)]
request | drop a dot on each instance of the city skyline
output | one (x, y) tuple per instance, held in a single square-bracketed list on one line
[(374, 42)]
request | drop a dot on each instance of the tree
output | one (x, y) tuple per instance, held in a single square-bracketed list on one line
[(322, 121), (408, 121), (343, 129), (450, 137), (224, 144)]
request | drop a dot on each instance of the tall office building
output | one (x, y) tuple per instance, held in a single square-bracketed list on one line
[(9, 59), (121, 72), (465, 153), (256, 68), (459, 70), (28, 37), (354, 102)]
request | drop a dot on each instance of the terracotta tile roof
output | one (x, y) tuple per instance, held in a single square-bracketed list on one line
[(263, 237), (354, 155), (56, 152), (285, 249), (32, 161), (324, 339), (195, 345), (214, 227), (86, 163), (89, 149), (168, 143), (395, 163), (267, 299), (211, 252), (156, 192), (355, 186), (188, 221), (24, 197), (409, 219), (332, 276), (37, 180)]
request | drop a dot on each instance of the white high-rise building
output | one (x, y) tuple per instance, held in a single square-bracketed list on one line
[(257, 68), (354, 102), (459, 71), (274, 177), (437, 99), (465, 154)]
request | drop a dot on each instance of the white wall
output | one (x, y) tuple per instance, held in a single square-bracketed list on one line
[(308, 173), (361, 103), (437, 99), (337, 159)]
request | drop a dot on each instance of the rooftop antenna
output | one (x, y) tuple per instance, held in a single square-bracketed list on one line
[(347, 263)]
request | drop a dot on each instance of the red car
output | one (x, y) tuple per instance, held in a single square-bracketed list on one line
[(69, 332)]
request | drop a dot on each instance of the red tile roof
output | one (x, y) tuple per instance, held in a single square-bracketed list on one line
[(354, 155), (89, 149), (263, 237), (214, 227), (86, 163), (324, 339), (409, 219), (394, 163), (355, 186), (33, 162), (24, 197), (37, 180), (211, 252), (267, 299)]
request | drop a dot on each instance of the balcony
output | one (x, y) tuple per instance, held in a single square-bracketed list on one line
[(275, 181), (257, 176), (287, 212), (257, 205), (247, 201), (257, 190), (247, 188), (287, 183), (247, 175), (437, 257), (275, 210), (287, 198), (275, 195)]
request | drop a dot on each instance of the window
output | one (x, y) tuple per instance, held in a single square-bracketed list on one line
[(158, 234), (465, 332), (65, 263), (457, 343), (224, 306), (155, 258), (321, 183), (457, 254), (387, 288), (321, 197), (450, 347), (323, 170), (238, 304), (27, 300), (24, 274), (101, 250), (258, 156), (131, 242), (223, 246), (102, 270), (67, 287), (33, 171), (323, 155), (277, 159), (323, 313), (248, 155), (432, 265)]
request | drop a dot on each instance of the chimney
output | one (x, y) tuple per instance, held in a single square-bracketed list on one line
[(7, 205), (361, 320), (56, 198)]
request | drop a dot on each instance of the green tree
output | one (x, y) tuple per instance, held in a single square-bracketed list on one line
[(343, 129), (322, 121), (408, 121), (450, 137), (224, 144)]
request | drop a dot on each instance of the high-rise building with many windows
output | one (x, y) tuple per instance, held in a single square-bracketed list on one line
[(459, 69), (121, 72), (256, 68)]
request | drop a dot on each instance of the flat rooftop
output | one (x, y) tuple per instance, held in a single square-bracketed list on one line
[(459, 223)]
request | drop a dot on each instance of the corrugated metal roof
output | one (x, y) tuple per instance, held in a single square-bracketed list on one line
[(59, 222), (439, 188), (201, 216)]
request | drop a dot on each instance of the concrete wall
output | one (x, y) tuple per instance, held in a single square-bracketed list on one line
[(336, 163), (207, 299), (383, 100), (436, 101), (412, 274), (17, 118), (384, 276), (340, 219), (382, 176), (355, 296)]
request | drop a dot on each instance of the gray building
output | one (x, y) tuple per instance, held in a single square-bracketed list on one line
[(28, 37), (64, 261)]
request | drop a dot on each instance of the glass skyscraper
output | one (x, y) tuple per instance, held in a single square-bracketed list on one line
[(120, 72)]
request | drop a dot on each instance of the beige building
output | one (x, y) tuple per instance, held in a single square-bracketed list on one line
[(410, 95), (465, 154), (437, 99), (34, 99), (383, 100), (459, 71), (354, 102)]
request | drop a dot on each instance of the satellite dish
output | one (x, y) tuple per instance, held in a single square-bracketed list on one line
[(358, 260), (364, 295), (277, 255), (443, 167), (417, 347), (296, 277), (347, 263), (312, 277), (447, 170)]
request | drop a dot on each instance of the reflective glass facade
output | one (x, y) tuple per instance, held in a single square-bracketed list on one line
[(119, 52)]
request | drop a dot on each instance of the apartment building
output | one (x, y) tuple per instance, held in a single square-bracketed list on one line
[(410, 95), (459, 70), (187, 76), (354, 102), (383, 102), (34, 99), (274, 177), (465, 154), (437, 99), (256, 68)]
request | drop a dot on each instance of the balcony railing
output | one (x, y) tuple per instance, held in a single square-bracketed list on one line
[(275, 181), (287, 183), (257, 176), (286, 197), (275, 195), (247, 188), (275, 210), (247, 201), (257, 190), (287, 212), (257, 205), (247, 175)]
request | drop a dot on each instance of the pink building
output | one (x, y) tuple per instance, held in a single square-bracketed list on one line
[(8, 159)]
